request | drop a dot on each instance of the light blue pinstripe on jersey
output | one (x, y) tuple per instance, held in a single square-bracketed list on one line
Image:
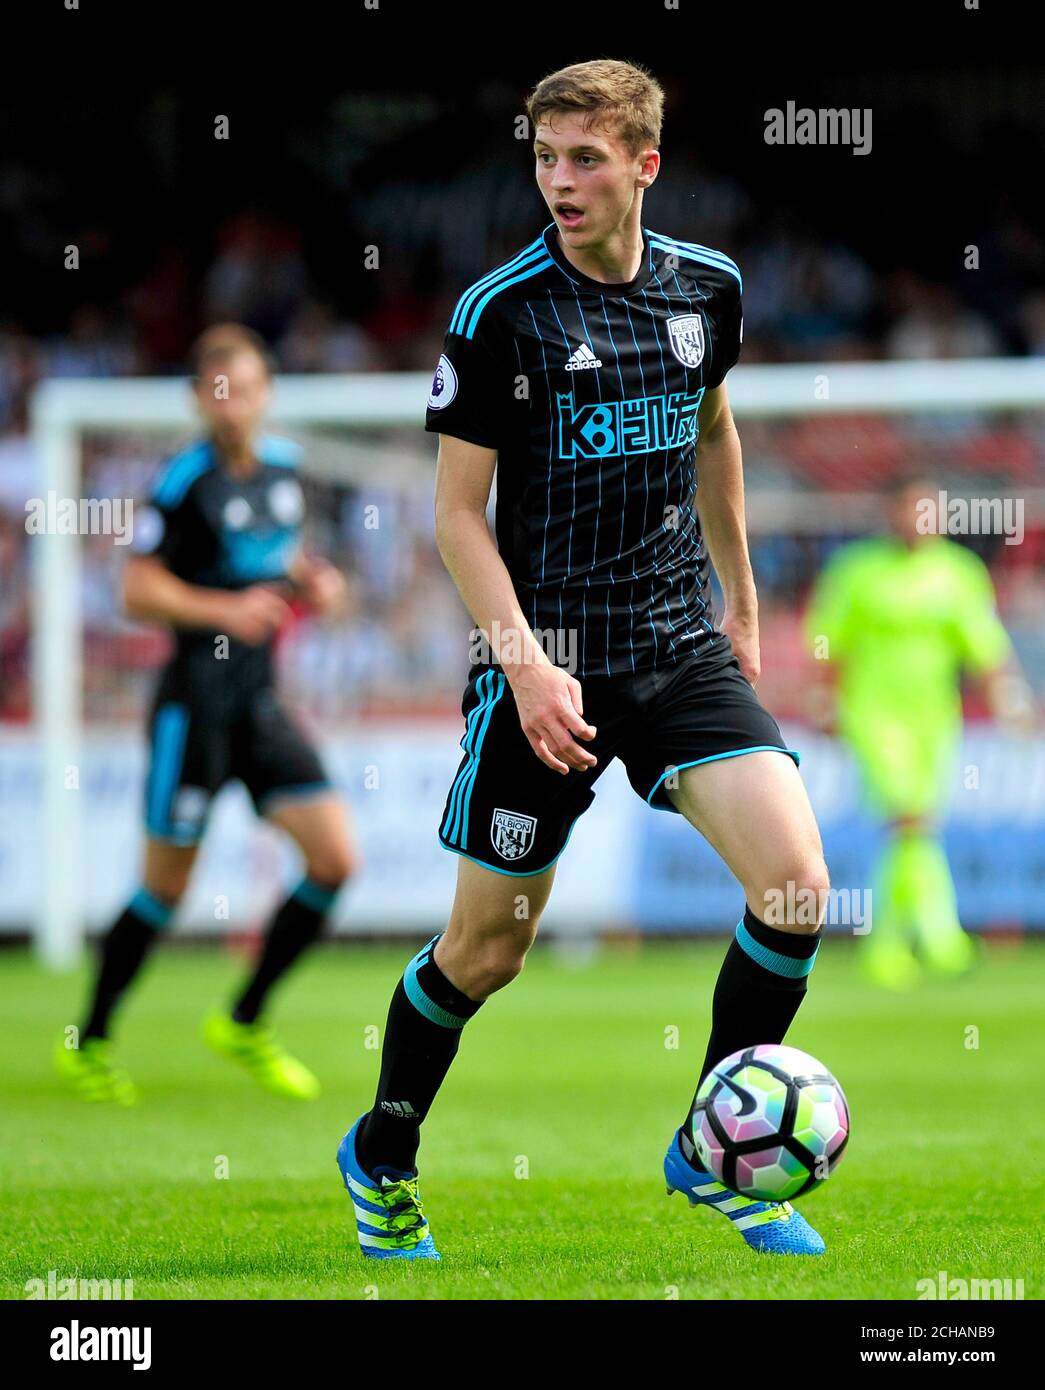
[(551, 449), (573, 509), (598, 484), (667, 455), (624, 498), (645, 505), (676, 540), (683, 535)]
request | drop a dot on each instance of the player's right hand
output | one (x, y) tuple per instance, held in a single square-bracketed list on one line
[(254, 614), (551, 715)]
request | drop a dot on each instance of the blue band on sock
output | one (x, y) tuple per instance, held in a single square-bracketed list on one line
[(153, 911), (779, 964), (417, 996), (318, 896)]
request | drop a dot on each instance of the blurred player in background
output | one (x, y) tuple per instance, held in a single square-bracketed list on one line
[(218, 555), (895, 620), (623, 337)]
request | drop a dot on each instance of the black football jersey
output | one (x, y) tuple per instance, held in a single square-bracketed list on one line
[(221, 531), (589, 392)]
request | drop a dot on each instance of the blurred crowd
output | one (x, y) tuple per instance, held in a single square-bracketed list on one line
[(804, 299), (808, 296)]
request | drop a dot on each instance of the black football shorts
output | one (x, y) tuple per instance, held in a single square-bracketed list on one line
[(193, 753), (510, 812)]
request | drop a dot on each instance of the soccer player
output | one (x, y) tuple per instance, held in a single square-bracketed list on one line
[(218, 553), (896, 619), (589, 369)]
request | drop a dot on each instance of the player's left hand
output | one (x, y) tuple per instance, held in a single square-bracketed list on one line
[(742, 632), (322, 586)]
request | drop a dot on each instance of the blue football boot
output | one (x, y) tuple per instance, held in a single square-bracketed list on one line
[(390, 1222), (774, 1228)]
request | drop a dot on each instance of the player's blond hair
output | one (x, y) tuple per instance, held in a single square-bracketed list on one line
[(622, 97)]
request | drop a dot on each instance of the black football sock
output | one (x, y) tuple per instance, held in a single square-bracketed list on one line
[(122, 952), (422, 1035), (294, 927), (759, 990)]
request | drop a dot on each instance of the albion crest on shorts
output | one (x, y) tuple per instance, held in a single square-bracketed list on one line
[(686, 334), (512, 834)]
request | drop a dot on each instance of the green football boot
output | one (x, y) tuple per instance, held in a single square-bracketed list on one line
[(92, 1072), (952, 953), (890, 965), (255, 1047)]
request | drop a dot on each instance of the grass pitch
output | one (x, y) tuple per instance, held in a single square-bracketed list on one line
[(541, 1161)]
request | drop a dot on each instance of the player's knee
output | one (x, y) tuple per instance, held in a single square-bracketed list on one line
[(498, 962), (334, 866), (813, 885), (910, 825), (168, 885), (797, 899), (491, 952)]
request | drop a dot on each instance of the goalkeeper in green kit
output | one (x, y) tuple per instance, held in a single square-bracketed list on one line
[(896, 620)]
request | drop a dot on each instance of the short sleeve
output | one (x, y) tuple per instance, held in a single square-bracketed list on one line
[(980, 637), (157, 531), (166, 527), (729, 334), (471, 394)]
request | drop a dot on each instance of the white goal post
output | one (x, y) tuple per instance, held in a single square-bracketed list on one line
[(62, 410)]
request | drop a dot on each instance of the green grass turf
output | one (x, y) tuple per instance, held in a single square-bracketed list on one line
[(566, 1071)]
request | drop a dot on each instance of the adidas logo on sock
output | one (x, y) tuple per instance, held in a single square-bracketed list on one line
[(402, 1108), (582, 359)]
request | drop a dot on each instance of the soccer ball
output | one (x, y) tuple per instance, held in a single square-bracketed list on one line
[(770, 1122)]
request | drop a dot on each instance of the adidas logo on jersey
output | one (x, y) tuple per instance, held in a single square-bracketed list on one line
[(582, 359)]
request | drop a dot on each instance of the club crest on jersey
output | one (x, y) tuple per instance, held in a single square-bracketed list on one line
[(687, 339), (237, 513), (512, 834), (444, 384), (286, 501)]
